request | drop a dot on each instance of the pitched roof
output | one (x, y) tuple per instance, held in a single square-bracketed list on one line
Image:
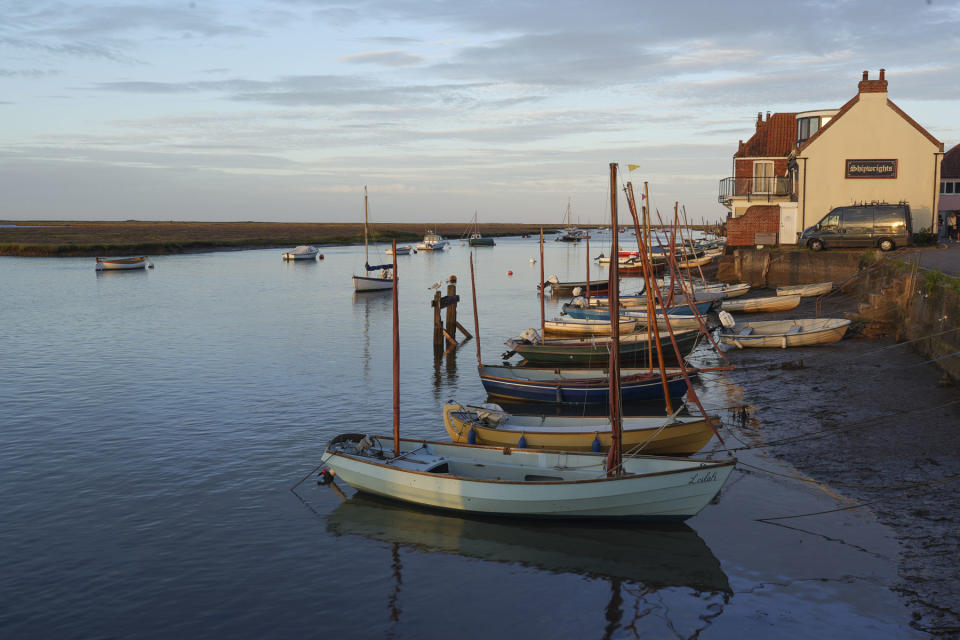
[(774, 138), (854, 100), (950, 165)]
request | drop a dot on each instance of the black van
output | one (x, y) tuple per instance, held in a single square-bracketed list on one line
[(886, 226)]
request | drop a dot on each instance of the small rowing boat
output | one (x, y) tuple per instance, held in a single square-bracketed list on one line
[(806, 290), (121, 264), (784, 333), (761, 305)]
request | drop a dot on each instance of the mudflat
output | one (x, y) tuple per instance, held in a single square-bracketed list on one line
[(73, 238)]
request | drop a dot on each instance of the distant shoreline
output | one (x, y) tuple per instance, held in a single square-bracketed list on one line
[(57, 238)]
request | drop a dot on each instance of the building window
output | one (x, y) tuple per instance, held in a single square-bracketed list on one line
[(763, 177), (806, 127), (948, 187)]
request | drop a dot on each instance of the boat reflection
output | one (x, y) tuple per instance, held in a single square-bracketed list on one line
[(654, 556)]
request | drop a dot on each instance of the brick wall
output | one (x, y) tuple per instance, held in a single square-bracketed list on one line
[(757, 219)]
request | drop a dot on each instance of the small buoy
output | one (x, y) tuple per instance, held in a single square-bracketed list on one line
[(472, 436), (509, 273), (320, 256), (596, 444), (325, 476), (149, 265), (522, 444), (533, 261), (453, 279)]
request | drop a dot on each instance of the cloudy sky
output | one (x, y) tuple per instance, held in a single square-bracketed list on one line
[(281, 110)]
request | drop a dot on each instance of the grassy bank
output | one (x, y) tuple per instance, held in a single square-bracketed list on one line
[(57, 238)]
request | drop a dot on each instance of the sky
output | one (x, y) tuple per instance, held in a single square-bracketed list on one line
[(282, 110)]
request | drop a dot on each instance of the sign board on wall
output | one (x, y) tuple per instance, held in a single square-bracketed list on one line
[(871, 169)]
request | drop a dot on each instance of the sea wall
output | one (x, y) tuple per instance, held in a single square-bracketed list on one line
[(917, 305), (781, 267)]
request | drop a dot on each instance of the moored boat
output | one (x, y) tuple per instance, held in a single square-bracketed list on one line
[(806, 290), (570, 326), (633, 348), (401, 251), (652, 435), (121, 264), (526, 482), (578, 386), (368, 283), (432, 242), (784, 333), (303, 252), (761, 305)]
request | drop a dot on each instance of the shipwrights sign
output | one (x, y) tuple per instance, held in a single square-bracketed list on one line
[(871, 169)]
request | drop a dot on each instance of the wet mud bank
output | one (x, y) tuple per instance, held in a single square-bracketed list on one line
[(869, 422)]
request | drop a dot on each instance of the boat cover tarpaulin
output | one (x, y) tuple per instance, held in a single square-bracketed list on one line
[(380, 266)]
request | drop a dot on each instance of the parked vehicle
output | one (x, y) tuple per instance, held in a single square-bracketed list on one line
[(885, 226)]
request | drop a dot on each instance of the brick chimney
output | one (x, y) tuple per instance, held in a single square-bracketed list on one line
[(873, 86), (759, 120)]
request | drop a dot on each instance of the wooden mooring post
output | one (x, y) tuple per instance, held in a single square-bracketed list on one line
[(445, 338)]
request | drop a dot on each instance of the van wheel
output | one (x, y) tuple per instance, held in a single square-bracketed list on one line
[(886, 245), (816, 245)]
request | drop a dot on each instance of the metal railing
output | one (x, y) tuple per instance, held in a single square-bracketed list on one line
[(755, 188)]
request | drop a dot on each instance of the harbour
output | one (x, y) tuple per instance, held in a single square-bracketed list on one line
[(156, 420)]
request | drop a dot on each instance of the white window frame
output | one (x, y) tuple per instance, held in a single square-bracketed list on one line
[(763, 181)]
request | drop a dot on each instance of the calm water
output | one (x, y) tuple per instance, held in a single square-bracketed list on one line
[(152, 423)]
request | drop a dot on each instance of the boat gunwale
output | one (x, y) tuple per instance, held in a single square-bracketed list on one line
[(703, 464)]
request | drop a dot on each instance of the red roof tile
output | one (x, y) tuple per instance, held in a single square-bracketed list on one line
[(950, 165), (774, 139)]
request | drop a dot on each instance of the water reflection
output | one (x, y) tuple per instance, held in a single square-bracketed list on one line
[(660, 556)]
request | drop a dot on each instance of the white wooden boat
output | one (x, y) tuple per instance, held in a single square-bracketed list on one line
[(303, 252), (651, 435), (524, 482), (586, 326), (760, 305), (732, 290), (401, 251), (784, 333), (432, 242), (806, 290), (692, 263), (367, 283), (121, 264)]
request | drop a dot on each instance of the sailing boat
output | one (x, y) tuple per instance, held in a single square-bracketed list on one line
[(367, 282), (476, 239), (521, 482), (570, 233)]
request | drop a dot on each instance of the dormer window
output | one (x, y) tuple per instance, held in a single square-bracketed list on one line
[(806, 127)]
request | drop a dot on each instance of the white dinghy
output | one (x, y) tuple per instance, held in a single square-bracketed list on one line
[(781, 333), (806, 290)]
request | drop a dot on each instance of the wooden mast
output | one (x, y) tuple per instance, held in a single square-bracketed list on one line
[(652, 327), (588, 269), (396, 354), (476, 318), (615, 455), (366, 247), (543, 293)]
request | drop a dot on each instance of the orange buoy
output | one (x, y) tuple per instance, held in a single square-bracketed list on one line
[(509, 273), (320, 256), (453, 279)]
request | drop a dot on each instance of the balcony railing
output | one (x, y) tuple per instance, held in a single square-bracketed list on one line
[(754, 188)]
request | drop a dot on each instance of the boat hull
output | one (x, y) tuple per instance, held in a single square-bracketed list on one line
[(761, 305), (806, 290), (362, 284), (577, 386), (532, 483), (482, 242), (401, 251), (777, 334), (650, 436), (121, 264), (633, 349), (587, 326)]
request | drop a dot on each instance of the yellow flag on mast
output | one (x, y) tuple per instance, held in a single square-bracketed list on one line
[(631, 167)]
